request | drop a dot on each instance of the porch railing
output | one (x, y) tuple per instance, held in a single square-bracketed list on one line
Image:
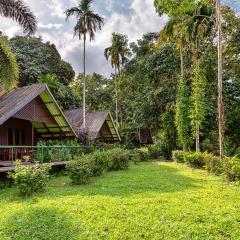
[(40, 154)]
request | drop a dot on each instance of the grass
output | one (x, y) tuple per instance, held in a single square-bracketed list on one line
[(149, 201)]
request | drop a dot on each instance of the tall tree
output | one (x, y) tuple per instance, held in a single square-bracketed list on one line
[(88, 22), (220, 90), (19, 12), (119, 53), (36, 58)]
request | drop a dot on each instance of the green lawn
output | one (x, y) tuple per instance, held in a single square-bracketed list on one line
[(149, 201)]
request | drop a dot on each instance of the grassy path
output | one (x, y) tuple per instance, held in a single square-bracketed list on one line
[(149, 201)]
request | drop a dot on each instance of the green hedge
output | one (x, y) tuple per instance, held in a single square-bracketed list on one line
[(96, 164), (214, 164), (195, 159), (178, 156), (230, 167)]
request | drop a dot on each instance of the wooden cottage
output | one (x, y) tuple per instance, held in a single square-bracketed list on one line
[(31, 113), (100, 126)]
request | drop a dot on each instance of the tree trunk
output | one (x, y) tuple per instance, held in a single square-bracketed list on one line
[(182, 76), (197, 137), (182, 62), (84, 82), (220, 96), (116, 93)]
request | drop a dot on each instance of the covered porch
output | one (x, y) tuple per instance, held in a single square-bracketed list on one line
[(27, 115)]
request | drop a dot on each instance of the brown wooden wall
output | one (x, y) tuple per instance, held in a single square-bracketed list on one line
[(19, 124)]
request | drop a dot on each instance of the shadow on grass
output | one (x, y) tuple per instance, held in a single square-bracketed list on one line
[(139, 179), (38, 223)]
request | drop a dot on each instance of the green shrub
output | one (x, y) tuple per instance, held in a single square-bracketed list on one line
[(195, 159), (79, 171), (140, 155), (232, 168), (214, 164), (99, 162), (118, 159), (30, 179), (178, 156), (154, 151), (144, 154)]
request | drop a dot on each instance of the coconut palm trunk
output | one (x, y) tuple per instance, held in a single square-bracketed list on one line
[(84, 81), (116, 100), (220, 94), (88, 22)]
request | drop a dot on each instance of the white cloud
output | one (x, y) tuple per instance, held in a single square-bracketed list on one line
[(139, 18), (49, 26), (142, 20)]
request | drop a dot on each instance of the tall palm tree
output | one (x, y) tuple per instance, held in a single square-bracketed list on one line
[(220, 96), (88, 22), (18, 11), (119, 53)]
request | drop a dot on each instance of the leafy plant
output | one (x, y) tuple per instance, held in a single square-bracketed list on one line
[(30, 179), (99, 162), (119, 159), (155, 150), (232, 168), (195, 159), (79, 171), (214, 164), (178, 156)]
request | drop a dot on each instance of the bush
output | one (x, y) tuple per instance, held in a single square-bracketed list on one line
[(143, 154), (99, 162), (214, 164), (178, 156), (232, 168), (195, 159), (154, 151), (79, 171), (118, 159), (140, 155), (30, 179)]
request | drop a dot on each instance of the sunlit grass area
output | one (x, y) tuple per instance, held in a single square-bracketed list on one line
[(148, 201)]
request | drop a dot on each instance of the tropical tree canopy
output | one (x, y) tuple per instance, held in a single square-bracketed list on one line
[(119, 51), (88, 22), (36, 58)]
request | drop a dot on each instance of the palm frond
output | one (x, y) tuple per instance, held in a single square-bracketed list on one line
[(18, 11), (87, 21), (73, 12)]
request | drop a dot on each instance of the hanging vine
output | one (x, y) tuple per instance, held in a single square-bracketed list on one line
[(9, 71)]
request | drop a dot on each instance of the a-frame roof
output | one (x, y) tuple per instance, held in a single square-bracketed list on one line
[(94, 123), (14, 101)]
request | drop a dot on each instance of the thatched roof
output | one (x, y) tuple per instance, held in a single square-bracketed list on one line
[(16, 102), (94, 123)]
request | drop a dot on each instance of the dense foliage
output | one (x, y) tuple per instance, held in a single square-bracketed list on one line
[(36, 59), (9, 71), (92, 165), (30, 179)]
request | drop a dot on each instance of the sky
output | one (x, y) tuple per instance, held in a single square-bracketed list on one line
[(131, 17)]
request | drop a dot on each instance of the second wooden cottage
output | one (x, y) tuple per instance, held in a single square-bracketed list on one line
[(100, 126)]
